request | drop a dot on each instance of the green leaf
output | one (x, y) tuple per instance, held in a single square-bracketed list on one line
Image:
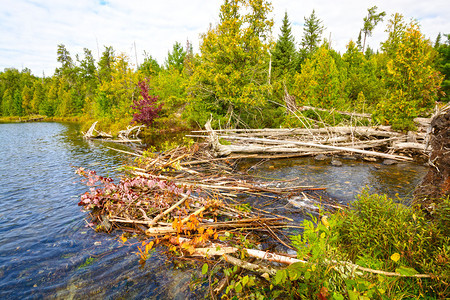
[(307, 275), (352, 295), (238, 287), (280, 276), (244, 280), (337, 296), (406, 271), (205, 269)]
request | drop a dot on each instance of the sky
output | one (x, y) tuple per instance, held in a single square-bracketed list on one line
[(31, 30)]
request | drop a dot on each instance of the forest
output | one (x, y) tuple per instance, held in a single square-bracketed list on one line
[(243, 77)]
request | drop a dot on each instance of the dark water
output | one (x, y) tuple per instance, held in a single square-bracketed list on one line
[(343, 182), (46, 250)]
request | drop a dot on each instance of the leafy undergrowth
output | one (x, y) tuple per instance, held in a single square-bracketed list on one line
[(375, 234)]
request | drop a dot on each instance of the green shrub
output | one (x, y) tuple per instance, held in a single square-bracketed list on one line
[(377, 233)]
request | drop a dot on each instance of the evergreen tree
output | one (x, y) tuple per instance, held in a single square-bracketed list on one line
[(437, 43), (320, 82), (412, 81), (396, 29), (65, 60), (105, 65), (175, 59), (150, 66), (362, 77), (38, 96), (283, 56), (443, 65), (370, 21), (230, 79), (312, 34)]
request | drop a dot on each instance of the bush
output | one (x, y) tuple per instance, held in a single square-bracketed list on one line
[(377, 233), (147, 108)]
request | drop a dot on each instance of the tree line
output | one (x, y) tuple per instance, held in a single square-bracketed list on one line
[(242, 77)]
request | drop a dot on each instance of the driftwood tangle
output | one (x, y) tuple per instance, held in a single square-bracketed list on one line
[(379, 141), (129, 135)]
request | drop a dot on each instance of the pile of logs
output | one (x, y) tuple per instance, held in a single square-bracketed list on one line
[(380, 141)]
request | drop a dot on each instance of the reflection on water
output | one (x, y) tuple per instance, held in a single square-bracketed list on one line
[(47, 251)]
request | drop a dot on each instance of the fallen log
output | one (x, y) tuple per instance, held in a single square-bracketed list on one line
[(225, 149), (360, 115)]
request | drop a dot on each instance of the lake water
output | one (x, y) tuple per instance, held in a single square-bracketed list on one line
[(46, 250)]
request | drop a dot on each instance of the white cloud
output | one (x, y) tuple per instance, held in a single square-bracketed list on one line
[(30, 30)]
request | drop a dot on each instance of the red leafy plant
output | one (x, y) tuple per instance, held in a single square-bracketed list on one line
[(146, 106), (128, 196)]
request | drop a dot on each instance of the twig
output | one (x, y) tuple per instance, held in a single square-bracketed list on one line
[(158, 217)]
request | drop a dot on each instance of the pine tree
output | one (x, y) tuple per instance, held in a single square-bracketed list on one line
[(105, 65), (396, 29), (312, 34), (230, 78), (175, 59), (412, 81), (370, 22), (283, 56)]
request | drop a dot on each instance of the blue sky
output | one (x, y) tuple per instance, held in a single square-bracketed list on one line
[(30, 30)]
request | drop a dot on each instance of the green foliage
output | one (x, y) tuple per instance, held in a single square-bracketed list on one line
[(396, 29), (412, 81), (230, 77), (114, 97), (312, 34), (443, 66), (149, 67), (175, 59), (320, 83), (370, 21), (377, 233), (284, 55), (363, 76)]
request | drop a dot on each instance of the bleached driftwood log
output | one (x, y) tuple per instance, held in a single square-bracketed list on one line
[(99, 134), (133, 131)]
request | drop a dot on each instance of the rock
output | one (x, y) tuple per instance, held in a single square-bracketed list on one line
[(336, 162), (321, 157), (389, 162), (349, 157)]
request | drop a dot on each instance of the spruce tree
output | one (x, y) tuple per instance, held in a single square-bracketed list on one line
[(283, 56), (312, 34)]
